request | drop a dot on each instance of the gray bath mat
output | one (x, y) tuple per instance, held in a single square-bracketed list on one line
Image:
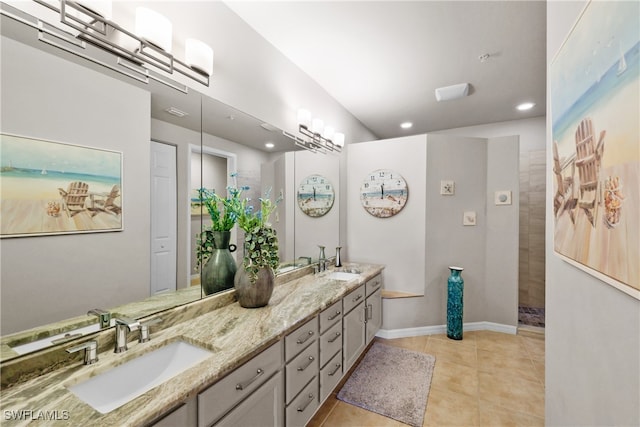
[(391, 381)]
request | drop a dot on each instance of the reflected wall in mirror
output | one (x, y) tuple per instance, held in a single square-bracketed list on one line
[(49, 283)]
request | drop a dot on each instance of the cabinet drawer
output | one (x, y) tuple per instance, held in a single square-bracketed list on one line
[(374, 284), (353, 299), (299, 339), (330, 316), (330, 376), (330, 343), (300, 411), (223, 395), (301, 370)]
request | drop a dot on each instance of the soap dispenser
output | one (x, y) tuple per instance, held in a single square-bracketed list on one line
[(338, 260)]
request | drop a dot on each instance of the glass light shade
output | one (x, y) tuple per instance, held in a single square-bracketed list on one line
[(328, 132), (317, 126), (338, 139), (154, 28), (304, 118), (199, 56), (103, 8)]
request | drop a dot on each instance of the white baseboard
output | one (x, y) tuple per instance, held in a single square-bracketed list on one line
[(441, 329)]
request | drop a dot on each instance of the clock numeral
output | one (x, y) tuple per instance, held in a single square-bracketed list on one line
[(328, 187), (381, 174), (366, 185), (373, 178)]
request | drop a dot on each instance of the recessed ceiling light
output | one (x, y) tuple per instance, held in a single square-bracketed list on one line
[(406, 125), (525, 106), (269, 145)]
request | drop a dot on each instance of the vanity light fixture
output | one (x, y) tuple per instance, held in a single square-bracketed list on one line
[(147, 48), (525, 106), (316, 136)]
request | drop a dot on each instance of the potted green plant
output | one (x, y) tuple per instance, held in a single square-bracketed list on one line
[(213, 249), (255, 280)]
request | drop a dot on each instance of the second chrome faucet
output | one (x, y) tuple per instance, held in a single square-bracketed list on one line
[(123, 327)]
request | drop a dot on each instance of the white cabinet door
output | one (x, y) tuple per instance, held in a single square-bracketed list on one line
[(374, 314), (265, 406), (353, 333)]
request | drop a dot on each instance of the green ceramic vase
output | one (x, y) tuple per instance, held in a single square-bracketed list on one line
[(220, 269)]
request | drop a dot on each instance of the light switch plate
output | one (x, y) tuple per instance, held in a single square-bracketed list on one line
[(469, 218), (502, 197), (447, 188)]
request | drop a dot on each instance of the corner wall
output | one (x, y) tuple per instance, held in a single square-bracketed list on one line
[(418, 244), (592, 330)]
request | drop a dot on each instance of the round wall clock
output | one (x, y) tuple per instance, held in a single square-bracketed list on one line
[(384, 193), (315, 195)]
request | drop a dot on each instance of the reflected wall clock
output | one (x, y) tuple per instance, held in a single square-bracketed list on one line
[(384, 193), (315, 195)]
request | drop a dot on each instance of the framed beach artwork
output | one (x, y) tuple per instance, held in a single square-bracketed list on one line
[(595, 104), (50, 187)]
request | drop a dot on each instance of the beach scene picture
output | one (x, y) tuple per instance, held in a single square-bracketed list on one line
[(595, 105), (384, 193), (55, 188)]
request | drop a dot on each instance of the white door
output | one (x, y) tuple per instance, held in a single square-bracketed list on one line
[(164, 206)]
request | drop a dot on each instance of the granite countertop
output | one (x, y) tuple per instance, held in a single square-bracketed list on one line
[(232, 333)]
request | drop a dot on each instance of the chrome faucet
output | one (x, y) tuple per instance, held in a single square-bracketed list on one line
[(322, 260), (123, 326), (90, 351), (103, 315)]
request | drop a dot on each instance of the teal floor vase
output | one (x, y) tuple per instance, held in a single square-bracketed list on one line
[(455, 291)]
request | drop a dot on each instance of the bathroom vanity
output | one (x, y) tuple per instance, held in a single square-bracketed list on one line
[(269, 366)]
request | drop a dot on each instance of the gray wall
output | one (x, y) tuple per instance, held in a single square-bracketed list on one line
[(48, 278), (592, 330), (419, 243)]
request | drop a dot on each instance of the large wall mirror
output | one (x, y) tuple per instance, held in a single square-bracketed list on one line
[(50, 282)]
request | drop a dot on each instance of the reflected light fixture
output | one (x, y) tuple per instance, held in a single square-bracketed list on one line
[(147, 47), (269, 144), (525, 106), (316, 136)]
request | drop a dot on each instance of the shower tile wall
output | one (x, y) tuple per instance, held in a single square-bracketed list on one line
[(532, 220)]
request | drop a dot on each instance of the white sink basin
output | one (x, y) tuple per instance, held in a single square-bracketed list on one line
[(125, 382), (49, 341), (342, 275)]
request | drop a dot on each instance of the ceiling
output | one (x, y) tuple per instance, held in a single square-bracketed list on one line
[(382, 60)]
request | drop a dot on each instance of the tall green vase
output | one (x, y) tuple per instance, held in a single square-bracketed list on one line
[(455, 291), (220, 269)]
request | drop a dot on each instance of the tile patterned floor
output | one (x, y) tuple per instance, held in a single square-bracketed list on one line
[(487, 379)]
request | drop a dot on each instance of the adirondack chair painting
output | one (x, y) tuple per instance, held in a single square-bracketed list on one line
[(74, 198), (105, 202), (565, 198), (588, 162)]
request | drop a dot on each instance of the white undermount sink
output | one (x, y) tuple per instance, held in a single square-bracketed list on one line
[(117, 386), (342, 275)]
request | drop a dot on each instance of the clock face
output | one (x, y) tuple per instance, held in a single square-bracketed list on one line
[(315, 195), (383, 193)]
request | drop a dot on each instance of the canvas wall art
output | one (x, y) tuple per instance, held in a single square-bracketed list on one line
[(595, 104), (56, 188)]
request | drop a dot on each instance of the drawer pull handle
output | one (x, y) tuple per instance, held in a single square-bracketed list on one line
[(338, 366), (304, 338), (242, 386), (335, 337), (358, 298), (302, 368), (311, 397), (338, 313), (369, 311)]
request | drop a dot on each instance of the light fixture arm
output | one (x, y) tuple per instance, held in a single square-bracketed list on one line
[(98, 29)]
